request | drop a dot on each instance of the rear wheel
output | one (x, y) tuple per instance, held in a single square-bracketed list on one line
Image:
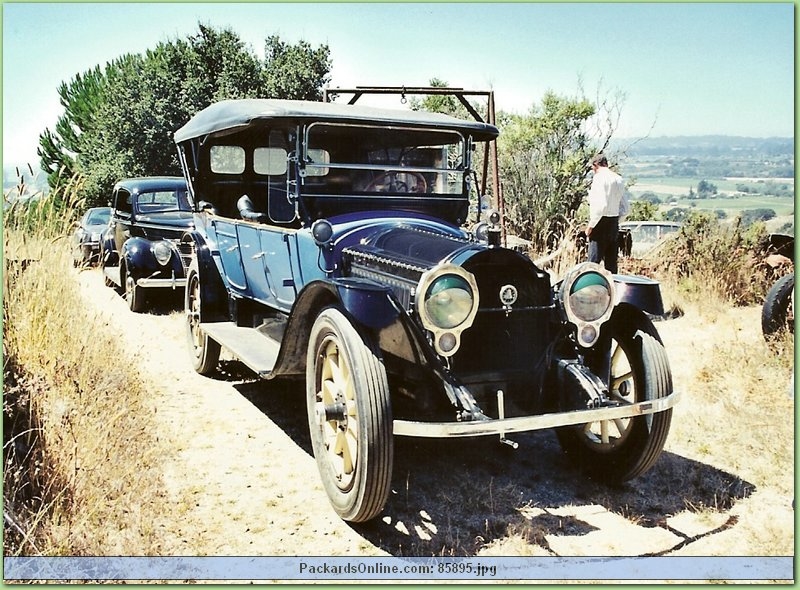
[(618, 450), (349, 416), (204, 350)]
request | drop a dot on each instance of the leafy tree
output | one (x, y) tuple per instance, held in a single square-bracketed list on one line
[(59, 148), (446, 104), (650, 197), (119, 122), (750, 216), (295, 71), (706, 189), (543, 163), (643, 211), (677, 214)]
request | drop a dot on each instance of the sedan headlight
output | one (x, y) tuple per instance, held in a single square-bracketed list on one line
[(447, 301), (163, 252), (587, 297)]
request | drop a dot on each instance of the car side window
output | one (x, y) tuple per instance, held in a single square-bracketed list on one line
[(124, 201), (270, 161), (227, 159)]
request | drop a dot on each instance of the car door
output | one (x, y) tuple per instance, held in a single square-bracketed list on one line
[(230, 254), (122, 217)]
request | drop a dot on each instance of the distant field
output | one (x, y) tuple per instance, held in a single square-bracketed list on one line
[(674, 187)]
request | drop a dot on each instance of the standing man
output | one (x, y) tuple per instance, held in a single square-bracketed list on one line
[(607, 204)]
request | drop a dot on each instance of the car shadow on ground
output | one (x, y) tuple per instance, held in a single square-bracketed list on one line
[(454, 497)]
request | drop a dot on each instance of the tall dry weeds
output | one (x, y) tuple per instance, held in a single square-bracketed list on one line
[(77, 436)]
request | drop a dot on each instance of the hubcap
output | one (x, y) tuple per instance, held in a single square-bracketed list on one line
[(336, 412)]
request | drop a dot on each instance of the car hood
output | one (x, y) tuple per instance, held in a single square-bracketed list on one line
[(95, 228), (416, 245), (176, 219)]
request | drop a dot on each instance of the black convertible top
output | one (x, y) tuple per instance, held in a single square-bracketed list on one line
[(231, 114)]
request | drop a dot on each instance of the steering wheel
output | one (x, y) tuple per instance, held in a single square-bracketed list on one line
[(398, 185)]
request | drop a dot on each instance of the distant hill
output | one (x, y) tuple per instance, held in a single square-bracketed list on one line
[(34, 178), (708, 145)]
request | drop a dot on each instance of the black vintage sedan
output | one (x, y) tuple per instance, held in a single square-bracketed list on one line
[(331, 244), (142, 247), (87, 235)]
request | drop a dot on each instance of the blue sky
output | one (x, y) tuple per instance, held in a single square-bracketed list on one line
[(684, 68)]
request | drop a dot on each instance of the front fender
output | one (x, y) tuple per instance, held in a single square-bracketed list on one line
[(214, 294), (138, 257), (141, 262), (370, 306), (641, 292)]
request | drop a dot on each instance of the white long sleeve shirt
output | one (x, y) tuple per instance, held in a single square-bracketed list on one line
[(607, 196)]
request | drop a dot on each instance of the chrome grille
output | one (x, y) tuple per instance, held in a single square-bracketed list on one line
[(186, 251)]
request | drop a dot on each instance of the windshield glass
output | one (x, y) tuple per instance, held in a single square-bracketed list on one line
[(160, 201), (342, 159), (98, 217)]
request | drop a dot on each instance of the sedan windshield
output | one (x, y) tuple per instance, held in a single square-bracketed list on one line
[(161, 201)]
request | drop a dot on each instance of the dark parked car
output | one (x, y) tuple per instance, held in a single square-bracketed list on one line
[(646, 236), (142, 248), (329, 244), (86, 238)]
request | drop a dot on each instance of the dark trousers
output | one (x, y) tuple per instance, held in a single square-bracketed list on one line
[(603, 243)]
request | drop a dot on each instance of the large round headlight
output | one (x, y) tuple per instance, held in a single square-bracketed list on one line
[(590, 296), (163, 252), (448, 301), (587, 297)]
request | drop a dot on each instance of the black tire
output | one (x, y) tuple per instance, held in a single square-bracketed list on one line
[(619, 450), (777, 313), (133, 293), (203, 349), (352, 440)]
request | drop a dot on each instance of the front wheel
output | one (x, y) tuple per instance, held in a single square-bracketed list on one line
[(204, 350), (134, 294), (618, 450), (349, 417)]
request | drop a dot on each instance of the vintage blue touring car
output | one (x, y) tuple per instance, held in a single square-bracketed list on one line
[(329, 243)]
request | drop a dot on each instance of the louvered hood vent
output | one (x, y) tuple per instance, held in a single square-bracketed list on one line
[(398, 256)]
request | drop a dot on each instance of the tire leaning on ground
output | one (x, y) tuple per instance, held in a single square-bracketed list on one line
[(203, 349), (777, 312), (618, 450), (349, 416)]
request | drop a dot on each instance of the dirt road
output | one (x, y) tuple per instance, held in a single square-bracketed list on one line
[(243, 481)]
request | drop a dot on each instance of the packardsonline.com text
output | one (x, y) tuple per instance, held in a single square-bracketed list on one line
[(438, 570)]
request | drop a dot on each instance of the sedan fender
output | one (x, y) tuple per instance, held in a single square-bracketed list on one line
[(141, 261)]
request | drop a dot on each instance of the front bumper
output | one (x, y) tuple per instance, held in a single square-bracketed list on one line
[(172, 282), (530, 423)]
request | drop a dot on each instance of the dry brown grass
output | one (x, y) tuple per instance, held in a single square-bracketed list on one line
[(81, 420)]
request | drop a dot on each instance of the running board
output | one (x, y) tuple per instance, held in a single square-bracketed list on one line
[(254, 349)]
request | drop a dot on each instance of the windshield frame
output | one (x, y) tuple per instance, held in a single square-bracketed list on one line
[(462, 143)]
